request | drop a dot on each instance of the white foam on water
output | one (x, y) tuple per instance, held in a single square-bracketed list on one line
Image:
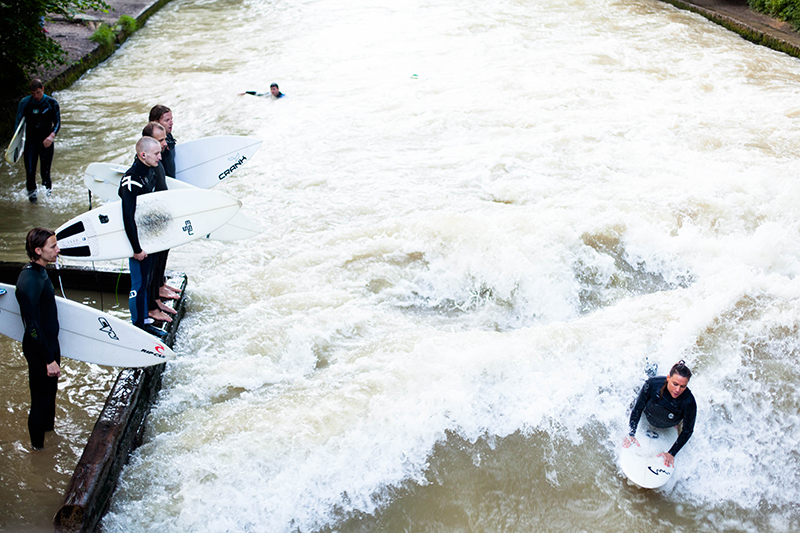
[(494, 246)]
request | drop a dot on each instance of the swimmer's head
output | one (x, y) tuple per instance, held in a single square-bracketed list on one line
[(678, 379)]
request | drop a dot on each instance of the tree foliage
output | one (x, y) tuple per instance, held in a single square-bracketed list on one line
[(24, 47), (786, 10)]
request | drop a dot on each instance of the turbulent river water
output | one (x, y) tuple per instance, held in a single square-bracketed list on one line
[(482, 219)]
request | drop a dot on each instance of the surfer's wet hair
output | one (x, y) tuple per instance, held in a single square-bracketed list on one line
[(157, 112), (37, 238), (36, 83), (152, 125), (681, 369)]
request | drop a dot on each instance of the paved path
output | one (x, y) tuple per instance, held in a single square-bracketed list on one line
[(73, 35)]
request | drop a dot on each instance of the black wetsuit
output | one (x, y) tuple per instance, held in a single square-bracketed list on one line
[(159, 259), (159, 264), (37, 305), (41, 119), (256, 93), (665, 411), (139, 179), (168, 156)]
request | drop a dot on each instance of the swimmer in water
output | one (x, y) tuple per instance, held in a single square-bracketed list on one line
[(666, 401), (274, 90)]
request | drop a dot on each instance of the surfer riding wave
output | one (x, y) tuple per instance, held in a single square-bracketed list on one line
[(666, 401)]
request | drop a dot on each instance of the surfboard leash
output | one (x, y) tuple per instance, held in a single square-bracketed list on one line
[(60, 281), (96, 278), (119, 277)]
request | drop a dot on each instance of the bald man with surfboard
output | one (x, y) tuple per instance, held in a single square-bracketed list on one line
[(140, 179)]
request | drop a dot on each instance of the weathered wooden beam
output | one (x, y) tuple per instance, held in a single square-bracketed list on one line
[(101, 279), (76, 277)]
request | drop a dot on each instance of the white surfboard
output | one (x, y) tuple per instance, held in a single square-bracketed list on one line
[(14, 150), (207, 161), (641, 464), (103, 180), (164, 220), (90, 335)]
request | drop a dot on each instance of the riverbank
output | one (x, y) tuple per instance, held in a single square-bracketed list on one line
[(82, 54), (74, 36), (756, 27)]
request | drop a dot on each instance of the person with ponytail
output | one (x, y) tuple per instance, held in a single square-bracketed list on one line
[(666, 401)]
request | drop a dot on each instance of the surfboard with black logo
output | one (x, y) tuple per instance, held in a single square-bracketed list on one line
[(88, 334), (103, 180), (641, 463), (208, 161), (164, 220)]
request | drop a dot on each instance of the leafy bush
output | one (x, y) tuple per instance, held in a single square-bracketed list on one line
[(127, 24), (786, 10), (104, 36), (24, 48)]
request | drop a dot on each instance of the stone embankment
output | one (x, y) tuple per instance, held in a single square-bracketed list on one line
[(83, 53)]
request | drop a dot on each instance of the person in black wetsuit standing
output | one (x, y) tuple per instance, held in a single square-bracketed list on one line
[(37, 305), (42, 122), (141, 178), (666, 401), (156, 308), (163, 115)]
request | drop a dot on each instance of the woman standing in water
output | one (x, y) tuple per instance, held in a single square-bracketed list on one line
[(666, 401)]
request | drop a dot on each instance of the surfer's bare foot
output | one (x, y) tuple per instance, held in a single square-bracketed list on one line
[(156, 332), (171, 288), (167, 309), (157, 314), (167, 294)]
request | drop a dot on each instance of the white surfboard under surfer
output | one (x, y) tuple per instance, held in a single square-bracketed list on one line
[(666, 402)]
